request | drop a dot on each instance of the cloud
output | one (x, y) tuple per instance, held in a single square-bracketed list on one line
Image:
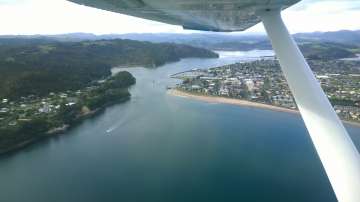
[(344, 4), (60, 16), (12, 2), (320, 15)]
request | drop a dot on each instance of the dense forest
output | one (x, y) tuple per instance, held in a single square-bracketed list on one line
[(328, 45), (35, 66), (328, 50)]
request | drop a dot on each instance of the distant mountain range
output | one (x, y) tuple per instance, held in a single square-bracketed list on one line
[(199, 39), (214, 41), (342, 36)]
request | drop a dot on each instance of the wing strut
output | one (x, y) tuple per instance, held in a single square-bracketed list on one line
[(336, 150)]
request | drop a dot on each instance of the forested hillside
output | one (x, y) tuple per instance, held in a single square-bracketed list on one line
[(35, 66)]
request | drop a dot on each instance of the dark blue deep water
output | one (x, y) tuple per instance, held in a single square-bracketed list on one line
[(160, 148)]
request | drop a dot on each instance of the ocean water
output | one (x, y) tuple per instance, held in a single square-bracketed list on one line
[(161, 148)]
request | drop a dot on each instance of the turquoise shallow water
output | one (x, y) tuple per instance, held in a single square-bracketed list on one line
[(157, 147)]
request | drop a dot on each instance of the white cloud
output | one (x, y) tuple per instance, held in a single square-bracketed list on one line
[(320, 15), (60, 16)]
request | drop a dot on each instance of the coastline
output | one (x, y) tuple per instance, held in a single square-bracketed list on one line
[(60, 130), (238, 102), (113, 90), (231, 101)]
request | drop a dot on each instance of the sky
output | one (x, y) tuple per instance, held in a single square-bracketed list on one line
[(28, 17)]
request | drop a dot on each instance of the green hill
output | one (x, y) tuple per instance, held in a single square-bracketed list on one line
[(34, 66)]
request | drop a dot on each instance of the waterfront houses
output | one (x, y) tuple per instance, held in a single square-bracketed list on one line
[(262, 81)]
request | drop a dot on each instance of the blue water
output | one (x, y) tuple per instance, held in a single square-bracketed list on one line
[(160, 148)]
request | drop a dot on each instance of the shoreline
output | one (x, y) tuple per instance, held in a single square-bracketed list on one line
[(238, 102), (231, 101), (60, 130)]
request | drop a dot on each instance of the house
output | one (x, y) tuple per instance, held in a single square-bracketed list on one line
[(249, 83), (45, 108), (224, 91), (70, 104), (195, 87), (13, 123), (4, 110), (63, 95)]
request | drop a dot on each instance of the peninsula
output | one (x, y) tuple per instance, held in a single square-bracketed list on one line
[(261, 84), (47, 86), (31, 118)]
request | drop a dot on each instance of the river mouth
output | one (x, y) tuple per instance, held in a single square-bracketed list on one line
[(157, 147)]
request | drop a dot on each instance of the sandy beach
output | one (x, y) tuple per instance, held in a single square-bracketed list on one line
[(244, 103), (223, 100)]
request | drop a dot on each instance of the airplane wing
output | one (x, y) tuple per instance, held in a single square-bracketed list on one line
[(334, 146), (206, 15)]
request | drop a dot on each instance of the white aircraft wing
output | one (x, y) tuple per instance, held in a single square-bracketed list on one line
[(335, 148), (206, 15)]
